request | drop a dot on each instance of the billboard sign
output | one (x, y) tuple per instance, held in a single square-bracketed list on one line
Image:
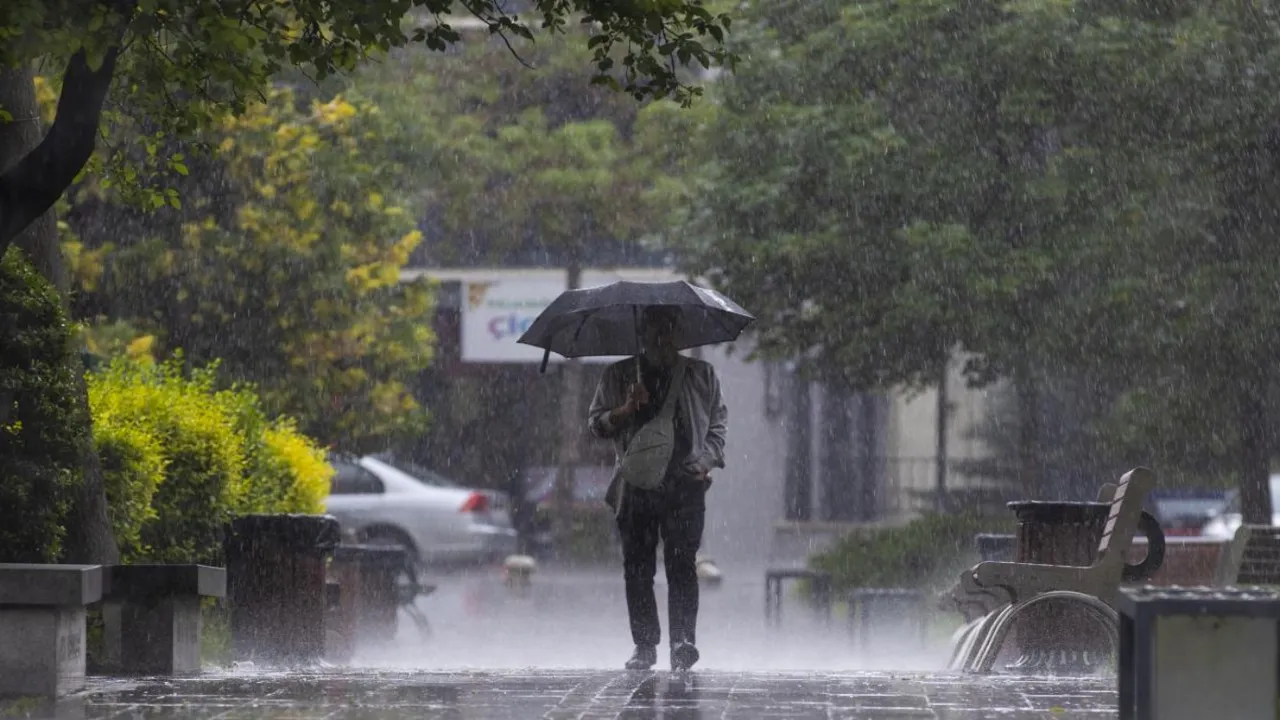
[(496, 312)]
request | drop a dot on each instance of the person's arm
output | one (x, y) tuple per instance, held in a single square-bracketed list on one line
[(610, 411), (712, 455)]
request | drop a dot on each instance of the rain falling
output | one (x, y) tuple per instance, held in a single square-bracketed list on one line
[(654, 358)]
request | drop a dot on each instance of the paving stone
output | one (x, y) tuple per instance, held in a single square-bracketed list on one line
[(586, 695)]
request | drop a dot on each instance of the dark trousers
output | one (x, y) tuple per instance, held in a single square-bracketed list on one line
[(674, 514)]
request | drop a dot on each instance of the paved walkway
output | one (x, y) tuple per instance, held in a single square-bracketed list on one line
[(579, 620), (474, 666), (586, 695)]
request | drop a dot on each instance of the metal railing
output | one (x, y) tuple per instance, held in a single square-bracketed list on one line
[(910, 484), (877, 488)]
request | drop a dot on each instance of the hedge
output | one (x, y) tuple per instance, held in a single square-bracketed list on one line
[(285, 471), (181, 458), (593, 536), (927, 553), (42, 423)]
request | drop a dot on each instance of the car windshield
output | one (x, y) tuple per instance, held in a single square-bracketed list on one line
[(420, 473)]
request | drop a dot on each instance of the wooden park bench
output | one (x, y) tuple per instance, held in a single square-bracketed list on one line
[(1016, 586), (820, 585), (887, 619), (1252, 557), (975, 602)]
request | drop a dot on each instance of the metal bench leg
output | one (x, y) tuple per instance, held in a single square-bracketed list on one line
[(960, 639), (772, 600), (991, 630), (974, 639), (822, 596), (984, 660), (777, 602), (1103, 614)]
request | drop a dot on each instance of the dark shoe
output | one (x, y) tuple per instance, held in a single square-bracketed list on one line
[(683, 656), (645, 657)]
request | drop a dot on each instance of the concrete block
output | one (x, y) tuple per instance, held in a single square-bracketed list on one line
[(152, 620), (42, 627), (1194, 653)]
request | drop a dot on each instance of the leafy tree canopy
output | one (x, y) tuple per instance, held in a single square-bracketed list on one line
[(181, 65)]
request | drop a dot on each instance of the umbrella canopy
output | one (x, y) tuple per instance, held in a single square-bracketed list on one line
[(605, 320)]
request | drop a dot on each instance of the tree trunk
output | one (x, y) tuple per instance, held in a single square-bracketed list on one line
[(89, 539), (36, 172), (39, 240), (1029, 466), (1255, 449), (571, 424)]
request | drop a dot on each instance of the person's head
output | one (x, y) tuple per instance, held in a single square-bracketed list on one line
[(658, 326)]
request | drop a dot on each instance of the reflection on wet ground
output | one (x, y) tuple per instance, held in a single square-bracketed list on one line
[(385, 695), (476, 662)]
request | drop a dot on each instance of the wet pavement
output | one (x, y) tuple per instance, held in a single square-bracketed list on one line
[(475, 663), (571, 620), (585, 695)]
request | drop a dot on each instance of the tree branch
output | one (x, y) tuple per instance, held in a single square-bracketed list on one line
[(31, 186)]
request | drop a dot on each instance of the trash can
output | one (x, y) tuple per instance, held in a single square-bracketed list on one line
[(276, 586)]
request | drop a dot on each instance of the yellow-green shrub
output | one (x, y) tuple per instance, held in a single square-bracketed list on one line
[(185, 457), (133, 465), (204, 460), (285, 472), (299, 468)]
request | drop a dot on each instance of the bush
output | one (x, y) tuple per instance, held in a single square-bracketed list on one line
[(42, 422), (182, 458), (133, 465), (285, 471), (204, 461), (296, 469), (927, 553), (594, 534)]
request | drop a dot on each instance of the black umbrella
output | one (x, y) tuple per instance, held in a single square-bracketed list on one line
[(605, 320)]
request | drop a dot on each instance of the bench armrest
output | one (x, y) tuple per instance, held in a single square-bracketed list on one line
[(1022, 580), (968, 594)]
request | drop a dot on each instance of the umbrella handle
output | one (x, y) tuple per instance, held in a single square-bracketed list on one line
[(546, 355)]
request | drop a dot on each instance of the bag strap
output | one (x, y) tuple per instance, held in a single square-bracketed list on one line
[(673, 393)]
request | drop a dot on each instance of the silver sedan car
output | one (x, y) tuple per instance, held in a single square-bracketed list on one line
[(439, 523)]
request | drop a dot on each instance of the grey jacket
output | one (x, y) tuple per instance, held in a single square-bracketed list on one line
[(699, 398)]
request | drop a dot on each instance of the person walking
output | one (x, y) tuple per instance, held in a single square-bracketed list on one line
[(675, 510)]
